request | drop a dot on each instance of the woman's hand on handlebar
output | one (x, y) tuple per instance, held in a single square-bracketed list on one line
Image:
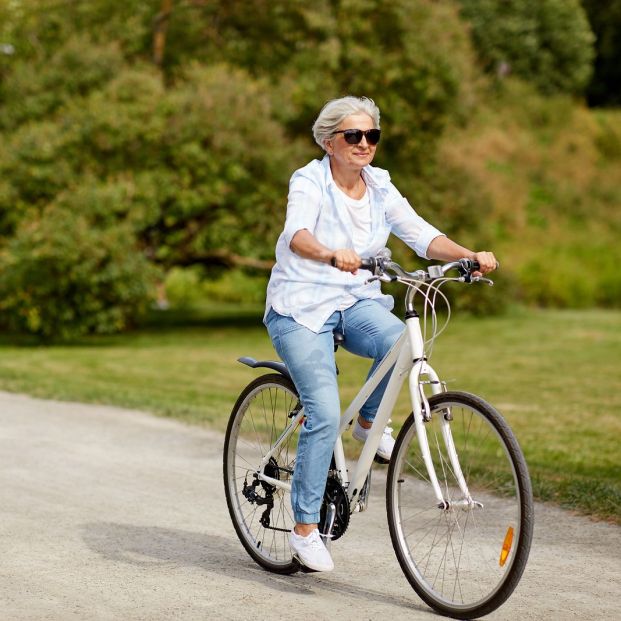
[(442, 248), (346, 260), (487, 262)]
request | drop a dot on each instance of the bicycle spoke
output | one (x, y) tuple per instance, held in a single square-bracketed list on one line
[(262, 417), (450, 554)]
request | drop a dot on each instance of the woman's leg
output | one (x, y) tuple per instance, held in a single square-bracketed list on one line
[(370, 331), (310, 360)]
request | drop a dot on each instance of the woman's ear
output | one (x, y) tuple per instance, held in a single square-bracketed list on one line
[(329, 148)]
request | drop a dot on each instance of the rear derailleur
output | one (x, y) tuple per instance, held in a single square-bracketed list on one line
[(272, 470)]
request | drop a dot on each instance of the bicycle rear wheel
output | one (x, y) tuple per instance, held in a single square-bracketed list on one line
[(463, 560), (261, 512)]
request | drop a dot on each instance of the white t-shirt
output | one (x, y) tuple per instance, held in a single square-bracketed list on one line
[(360, 213)]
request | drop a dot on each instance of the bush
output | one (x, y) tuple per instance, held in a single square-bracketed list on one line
[(608, 140), (61, 278), (237, 286), (183, 288), (546, 42), (191, 287), (572, 276)]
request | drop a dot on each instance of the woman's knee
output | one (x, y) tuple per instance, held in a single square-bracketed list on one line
[(389, 337), (323, 417)]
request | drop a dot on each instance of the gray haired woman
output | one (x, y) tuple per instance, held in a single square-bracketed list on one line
[(339, 209)]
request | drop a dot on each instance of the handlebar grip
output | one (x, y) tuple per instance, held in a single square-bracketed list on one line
[(368, 264), (477, 266), (365, 264)]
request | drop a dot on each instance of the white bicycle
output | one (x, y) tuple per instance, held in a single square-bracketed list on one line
[(458, 494)]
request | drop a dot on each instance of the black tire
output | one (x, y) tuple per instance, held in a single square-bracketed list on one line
[(452, 556), (259, 416)]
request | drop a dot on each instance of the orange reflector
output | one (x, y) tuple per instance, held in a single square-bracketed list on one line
[(506, 546)]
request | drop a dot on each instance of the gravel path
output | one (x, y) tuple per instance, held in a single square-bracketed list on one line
[(115, 514)]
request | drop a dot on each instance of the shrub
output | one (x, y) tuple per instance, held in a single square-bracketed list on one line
[(61, 278), (183, 288), (193, 287), (608, 140), (579, 275), (237, 286)]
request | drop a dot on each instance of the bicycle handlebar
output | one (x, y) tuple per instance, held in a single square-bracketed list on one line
[(368, 264), (382, 266)]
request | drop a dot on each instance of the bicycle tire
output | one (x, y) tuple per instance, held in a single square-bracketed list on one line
[(259, 415), (464, 561)]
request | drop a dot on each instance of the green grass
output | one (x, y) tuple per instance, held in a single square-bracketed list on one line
[(553, 374)]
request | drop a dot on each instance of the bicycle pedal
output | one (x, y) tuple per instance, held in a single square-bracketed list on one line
[(380, 460)]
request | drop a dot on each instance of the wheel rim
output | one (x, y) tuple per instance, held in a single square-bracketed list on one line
[(458, 557), (261, 418)]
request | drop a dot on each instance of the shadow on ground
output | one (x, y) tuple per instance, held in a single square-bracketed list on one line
[(157, 547)]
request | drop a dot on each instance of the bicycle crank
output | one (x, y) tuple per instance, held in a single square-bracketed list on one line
[(334, 514)]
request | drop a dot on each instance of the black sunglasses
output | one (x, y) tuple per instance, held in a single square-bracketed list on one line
[(354, 136)]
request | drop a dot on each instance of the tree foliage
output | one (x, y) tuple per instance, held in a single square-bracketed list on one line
[(187, 159), (547, 42), (163, 133)]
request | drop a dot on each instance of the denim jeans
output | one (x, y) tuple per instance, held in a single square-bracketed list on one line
[(370, 330)]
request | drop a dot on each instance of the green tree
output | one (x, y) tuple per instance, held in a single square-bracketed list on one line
[(547, 42), (186, 159)]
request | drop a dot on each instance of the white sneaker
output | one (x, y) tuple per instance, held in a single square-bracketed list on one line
[(387, 443), (311, 551)]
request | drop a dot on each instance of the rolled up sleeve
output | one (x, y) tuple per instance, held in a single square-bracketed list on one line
[(303, 205), (408, 226)]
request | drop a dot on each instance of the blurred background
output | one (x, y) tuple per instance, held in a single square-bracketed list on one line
[(147, 145), (145, 153)]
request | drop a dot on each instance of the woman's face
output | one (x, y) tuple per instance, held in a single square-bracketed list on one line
[(352, 156)]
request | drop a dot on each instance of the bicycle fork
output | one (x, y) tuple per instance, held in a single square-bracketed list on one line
[(422, 413)]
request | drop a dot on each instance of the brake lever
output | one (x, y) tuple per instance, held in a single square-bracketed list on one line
[(382, 277), (487, 281)]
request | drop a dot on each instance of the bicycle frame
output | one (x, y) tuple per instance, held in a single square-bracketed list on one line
[(407, 356)]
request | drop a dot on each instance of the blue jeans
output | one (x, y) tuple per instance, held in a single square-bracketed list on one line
[(370, 330)]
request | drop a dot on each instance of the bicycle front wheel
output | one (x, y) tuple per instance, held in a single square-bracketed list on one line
[(260, 511), (463, 557)]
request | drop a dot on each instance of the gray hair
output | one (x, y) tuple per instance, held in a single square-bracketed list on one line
[(336, 110)]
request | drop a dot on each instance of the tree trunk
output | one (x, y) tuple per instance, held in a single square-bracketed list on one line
[(159, 34)]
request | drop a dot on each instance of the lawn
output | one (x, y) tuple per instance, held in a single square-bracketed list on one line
[(555, 375)]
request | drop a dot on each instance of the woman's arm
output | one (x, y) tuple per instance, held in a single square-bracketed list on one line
[(442, 248), (305, 244), (425, 239)]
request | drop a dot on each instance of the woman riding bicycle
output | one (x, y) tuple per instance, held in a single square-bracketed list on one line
[(339, 208)]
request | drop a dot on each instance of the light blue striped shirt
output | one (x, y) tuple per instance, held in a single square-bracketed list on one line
[(310, 291)]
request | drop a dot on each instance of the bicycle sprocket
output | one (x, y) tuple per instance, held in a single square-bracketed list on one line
[(335, 494)]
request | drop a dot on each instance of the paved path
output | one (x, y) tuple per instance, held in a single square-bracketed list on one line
[(114, 514)]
